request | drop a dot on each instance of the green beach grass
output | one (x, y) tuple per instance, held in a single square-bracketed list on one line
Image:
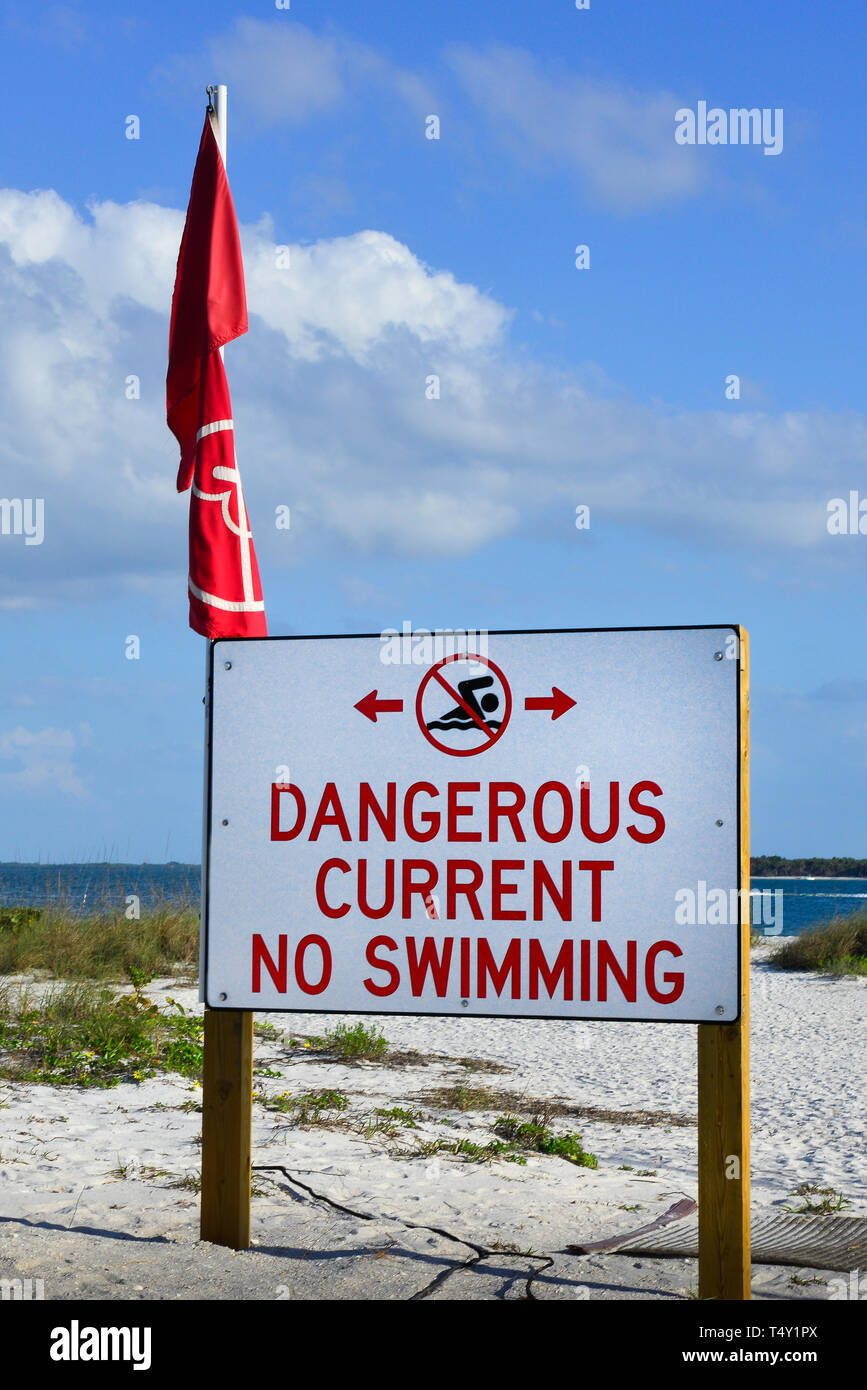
[(837, 948), (84, 1034), (103, 944), (77, 1030)]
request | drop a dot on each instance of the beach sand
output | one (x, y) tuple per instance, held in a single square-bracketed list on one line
[(97, 1187)]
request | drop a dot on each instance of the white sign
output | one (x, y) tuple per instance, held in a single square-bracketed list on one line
[(521, 824)]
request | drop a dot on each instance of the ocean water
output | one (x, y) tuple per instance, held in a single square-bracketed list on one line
[(84, 887), (805, 902)]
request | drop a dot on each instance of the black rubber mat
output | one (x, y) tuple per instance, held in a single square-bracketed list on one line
[(778, 1238)]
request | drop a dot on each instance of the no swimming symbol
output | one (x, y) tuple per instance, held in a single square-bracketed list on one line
[(463, 705)]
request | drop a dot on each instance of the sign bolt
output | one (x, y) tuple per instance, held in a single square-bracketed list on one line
[(225, 822), (224, 996), (465, 1003), (718, 656), (227, 665), (720, 1008), (719, 822)]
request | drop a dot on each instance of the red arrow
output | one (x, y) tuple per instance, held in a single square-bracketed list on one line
[(556, 702), (370, 706)]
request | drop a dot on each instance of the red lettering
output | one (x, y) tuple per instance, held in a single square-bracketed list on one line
[(330, 864), (488, 966), (262, 957), (646, 837), (552, 836), (465, 967), (438, 965), (409, 886), (596, 868), (499, 890), (562, 900), (606, 960), (455, 809), (585, 972), (389, 890), (300, 953), (454, 887), (674, 978), (539, 966), (613, 814), (431, 819), (372, 959), (279, 789), (330, 812), (367, 803), (496, 811)]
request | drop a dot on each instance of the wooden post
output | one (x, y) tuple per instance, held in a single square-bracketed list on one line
[(227, 1113), (724, 1093)]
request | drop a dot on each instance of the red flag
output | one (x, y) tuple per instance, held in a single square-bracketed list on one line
[(209, 308)]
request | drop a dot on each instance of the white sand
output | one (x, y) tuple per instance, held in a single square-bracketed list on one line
[(61, 1147)]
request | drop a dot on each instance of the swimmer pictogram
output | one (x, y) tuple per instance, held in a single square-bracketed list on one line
[(463, 705)]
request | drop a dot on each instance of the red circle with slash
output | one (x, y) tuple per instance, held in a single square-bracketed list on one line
[(435, 675)]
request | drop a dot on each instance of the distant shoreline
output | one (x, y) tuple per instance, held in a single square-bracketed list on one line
[(98, 864), (774, 866), (761, 866)]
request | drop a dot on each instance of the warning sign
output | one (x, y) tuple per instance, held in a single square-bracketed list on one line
[(353, 865)]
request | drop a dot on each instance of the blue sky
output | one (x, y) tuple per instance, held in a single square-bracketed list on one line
[(455, 256)]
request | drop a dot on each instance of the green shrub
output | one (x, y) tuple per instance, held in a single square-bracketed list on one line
[(528, 1134), (469, 1151), (81, 1034), (309, 1108), (357, 1041), (15, 919), (464, 1096), (837, 948)]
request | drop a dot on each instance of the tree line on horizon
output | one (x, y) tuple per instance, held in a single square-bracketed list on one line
[(773, 865)]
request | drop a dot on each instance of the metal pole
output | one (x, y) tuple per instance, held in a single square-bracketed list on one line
[(220, 104), (227, 1080)]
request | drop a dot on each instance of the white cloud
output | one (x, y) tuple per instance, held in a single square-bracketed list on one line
[(282, 73), (46, 760), (348, 294), (62, 26), (619, 142), (332, 416), (123, 251)]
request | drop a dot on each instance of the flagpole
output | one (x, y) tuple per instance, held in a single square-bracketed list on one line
[(227, 1072), (220, 104), (218, 100)]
